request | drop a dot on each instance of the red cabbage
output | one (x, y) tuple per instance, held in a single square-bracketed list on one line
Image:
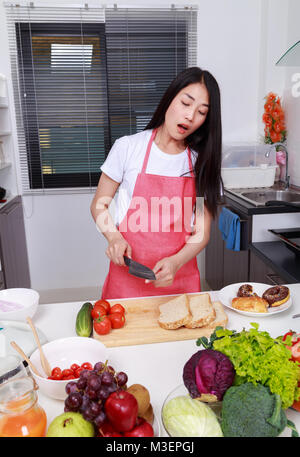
[(208, 372)]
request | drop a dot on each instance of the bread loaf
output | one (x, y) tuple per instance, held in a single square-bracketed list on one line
[(191, 311)]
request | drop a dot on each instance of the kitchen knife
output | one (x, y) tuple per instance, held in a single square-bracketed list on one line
[(139, 270)]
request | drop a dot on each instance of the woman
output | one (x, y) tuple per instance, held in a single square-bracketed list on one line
[(160, 172)]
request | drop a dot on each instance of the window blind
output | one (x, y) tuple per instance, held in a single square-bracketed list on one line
[(83, 77)]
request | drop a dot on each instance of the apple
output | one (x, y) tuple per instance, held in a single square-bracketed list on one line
[(142, 429), (121, 409)]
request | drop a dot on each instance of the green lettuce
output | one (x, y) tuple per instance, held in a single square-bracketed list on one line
[(259, 358)]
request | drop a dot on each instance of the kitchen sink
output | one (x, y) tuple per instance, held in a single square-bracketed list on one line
[(263, 196)]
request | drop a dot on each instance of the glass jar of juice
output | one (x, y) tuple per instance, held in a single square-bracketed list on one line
[(20, 413)]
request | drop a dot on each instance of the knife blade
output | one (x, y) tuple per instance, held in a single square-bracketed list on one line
[(139, 270)]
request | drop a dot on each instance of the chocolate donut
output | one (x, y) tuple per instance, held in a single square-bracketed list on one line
[(246, 290), (276, 295)]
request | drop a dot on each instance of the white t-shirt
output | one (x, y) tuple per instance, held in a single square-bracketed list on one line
[(125, 161)]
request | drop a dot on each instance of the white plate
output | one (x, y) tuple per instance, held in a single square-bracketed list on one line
[(229, 292)]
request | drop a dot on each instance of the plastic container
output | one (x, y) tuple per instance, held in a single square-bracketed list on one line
[(20, 413), (245, 165), (248, 177)]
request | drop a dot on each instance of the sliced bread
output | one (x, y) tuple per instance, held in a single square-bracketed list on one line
[(174, 313), (201, 310), (221, 318)]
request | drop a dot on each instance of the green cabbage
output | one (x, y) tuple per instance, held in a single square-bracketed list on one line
[(184, 416)]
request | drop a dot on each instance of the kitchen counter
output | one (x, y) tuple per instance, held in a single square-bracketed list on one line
[(158, 366), (279, 258)]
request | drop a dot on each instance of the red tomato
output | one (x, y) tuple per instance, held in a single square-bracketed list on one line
[(121, 409), (87, 366), (296, 405), (55, 370), (102, 325), (103, 303), (67, 372), (117, 308), (57, 376), (296, 352), (98, 311), (71, 376), (117, 320), (74, 367), (142, 429), (78, 371)]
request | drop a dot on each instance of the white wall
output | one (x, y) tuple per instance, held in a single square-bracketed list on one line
[(235, 44), (292, 102)]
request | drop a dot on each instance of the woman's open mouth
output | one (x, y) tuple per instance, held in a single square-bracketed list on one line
[(182, 128)]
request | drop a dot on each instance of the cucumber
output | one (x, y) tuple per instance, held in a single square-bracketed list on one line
[(84, 321)]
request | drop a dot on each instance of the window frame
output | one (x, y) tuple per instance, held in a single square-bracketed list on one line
[(37, 179)]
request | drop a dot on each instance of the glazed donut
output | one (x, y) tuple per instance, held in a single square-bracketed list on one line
[(276, 295), (246, 290)]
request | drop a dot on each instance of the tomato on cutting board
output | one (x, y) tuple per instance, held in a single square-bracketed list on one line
[(102, 325), (117, 320), (117, 308), (104, 303), (97, 311)]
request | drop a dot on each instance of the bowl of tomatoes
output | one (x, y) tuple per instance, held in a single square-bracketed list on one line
[(67, 358), (107, 317)]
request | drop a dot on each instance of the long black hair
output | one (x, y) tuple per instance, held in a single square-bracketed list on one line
[(206, 141)]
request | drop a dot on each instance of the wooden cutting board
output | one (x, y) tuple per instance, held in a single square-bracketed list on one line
[(141, 326)]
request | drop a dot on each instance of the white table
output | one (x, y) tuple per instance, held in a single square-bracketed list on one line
[(157, 366)]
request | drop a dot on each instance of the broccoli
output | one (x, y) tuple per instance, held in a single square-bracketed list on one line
[(251, 410)]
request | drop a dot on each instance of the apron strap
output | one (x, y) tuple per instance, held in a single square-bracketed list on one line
[(146, 158), (148, 151)]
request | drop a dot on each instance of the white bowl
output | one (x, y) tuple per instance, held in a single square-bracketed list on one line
[(27, 298), (63, 353)]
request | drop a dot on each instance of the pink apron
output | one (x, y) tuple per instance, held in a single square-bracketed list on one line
[(152, 235)]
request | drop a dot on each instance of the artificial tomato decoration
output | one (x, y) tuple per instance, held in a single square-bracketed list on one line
[(121, 409), (142, 429), (102, 325), (97, 311), (104, 303), (117, 308), (117, 320)]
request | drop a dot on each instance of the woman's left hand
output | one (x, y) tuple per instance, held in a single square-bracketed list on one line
[(165, 271)]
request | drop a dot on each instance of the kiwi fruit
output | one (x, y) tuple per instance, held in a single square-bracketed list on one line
[(142, 396), (149, 415)]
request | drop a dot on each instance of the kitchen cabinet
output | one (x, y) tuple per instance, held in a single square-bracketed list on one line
[(265, 262), (259, 271), (224, 266), (13, 249)]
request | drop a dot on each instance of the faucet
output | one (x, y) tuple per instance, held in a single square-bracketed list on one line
[(283, 147)]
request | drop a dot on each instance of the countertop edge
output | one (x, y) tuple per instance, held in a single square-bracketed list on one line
[(283, 272)]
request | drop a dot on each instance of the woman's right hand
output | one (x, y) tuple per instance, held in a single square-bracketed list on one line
[(117, 248)]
